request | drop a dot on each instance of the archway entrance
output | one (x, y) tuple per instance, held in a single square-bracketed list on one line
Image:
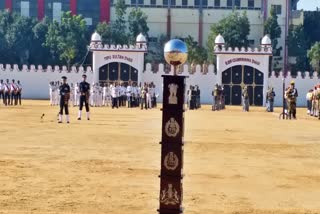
[(236, 77), (116, 71)]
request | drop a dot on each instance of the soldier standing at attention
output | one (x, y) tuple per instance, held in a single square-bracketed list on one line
[(84, 89), (292, 94), (19, 92), (215, 98), (2, 90), (64, 99), (7, 93), (270, 99), (245, 99)]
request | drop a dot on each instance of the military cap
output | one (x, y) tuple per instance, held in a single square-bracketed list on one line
[(64, 77)]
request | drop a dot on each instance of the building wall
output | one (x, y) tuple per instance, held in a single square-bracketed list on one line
[(36, 81), (2, 5)]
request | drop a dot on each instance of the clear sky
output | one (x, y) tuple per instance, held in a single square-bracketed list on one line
[(308, 4)]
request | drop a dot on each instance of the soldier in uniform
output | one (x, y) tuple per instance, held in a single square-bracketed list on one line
[(245, 99), (270, 99), (14, 91), (115, 92), (292, 94), (7, 89), (19, 92), (215, 94), (2, 90), (84, 89), (64, 99), (318, 100), (76, 95)]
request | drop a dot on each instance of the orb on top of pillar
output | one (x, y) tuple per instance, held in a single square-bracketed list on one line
[(175, 52)]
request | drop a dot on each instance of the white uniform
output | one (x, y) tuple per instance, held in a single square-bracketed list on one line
[(149, 94), (76, 95), (106, 96), (51, 93)]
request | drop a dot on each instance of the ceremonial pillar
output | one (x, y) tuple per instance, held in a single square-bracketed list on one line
[(171, 191)]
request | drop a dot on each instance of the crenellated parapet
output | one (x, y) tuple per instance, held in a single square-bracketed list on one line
[(185, 69), (40, 69), (98, 46), (218, 49)]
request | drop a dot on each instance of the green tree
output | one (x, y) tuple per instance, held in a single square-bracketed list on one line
[(67, 40), (271, 27), (297, 47), (119, 27), (16, 38), (235, 29), (196, 54), (105, 32), (155, 50), (314, 56), (137, 20), (40, 53)]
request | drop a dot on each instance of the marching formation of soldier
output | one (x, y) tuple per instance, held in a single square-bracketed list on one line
[(193, 97), (313, 102), (113, 95), (218, 98), (10, 92)]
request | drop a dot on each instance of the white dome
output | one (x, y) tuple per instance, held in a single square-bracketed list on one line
[(266, 40), (219, 40), (95, 37), (141, 38)]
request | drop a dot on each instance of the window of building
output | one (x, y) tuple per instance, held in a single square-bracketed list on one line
[(153, 2), (250, 3), (184, 2), (165, 2), (196, 2), (173, 2), (217, 3), (141, 2), (278, 9), (237, 3), (229, 3), (133, 2), (88, 21), (251, 42), (153, 39), (25, 8), (204, 3), (57, 11)]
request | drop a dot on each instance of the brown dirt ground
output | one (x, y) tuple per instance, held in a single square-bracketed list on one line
[(235, 162)]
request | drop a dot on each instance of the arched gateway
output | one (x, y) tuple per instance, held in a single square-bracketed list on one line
[(117, 63), (239, 67)]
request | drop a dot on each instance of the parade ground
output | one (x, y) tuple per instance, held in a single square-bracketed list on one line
[(234, 162)]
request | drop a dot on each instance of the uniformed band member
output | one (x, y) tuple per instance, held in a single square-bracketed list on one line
[(245, 99), (64, 99), (270, 99), (309, 97), (218, 98), (2, 90), (7, 89), (19, 92), (291, 95), (84, 88)]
